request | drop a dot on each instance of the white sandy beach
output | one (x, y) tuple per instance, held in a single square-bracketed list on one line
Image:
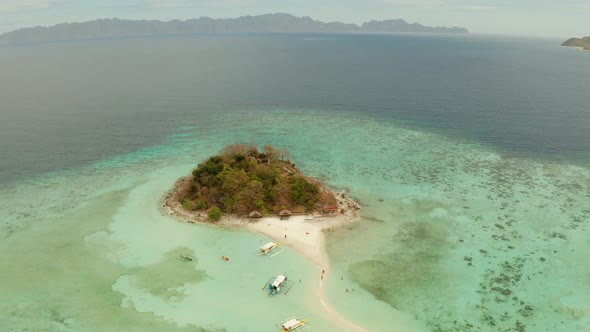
[(307, 238)]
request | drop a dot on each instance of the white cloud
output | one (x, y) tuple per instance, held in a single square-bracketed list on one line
[(10, 6)]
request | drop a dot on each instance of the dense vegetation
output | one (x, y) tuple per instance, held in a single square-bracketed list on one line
[(578, 42), (242, 179)]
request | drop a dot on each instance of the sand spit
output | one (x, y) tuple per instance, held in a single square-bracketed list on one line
[(303, 235)]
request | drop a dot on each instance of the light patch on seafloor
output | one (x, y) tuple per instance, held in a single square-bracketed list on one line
[(439, 213)]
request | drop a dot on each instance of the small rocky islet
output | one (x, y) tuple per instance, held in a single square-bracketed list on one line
[(583, 43)]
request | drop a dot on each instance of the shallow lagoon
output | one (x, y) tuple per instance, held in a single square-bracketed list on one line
[(453, 235)]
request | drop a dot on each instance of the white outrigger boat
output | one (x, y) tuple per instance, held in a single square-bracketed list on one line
[(267, 248), (278, 284), (293, 324), (275, 286)]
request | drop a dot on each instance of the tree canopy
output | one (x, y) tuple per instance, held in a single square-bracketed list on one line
[(242, 179)]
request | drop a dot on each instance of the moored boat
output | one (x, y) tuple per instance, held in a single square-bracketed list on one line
[(275, 286), (268, 247), (293, 324)]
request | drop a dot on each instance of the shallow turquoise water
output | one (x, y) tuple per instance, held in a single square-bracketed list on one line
[(453, 235)]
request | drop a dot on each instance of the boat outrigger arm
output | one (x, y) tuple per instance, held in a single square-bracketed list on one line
[(268, 247)]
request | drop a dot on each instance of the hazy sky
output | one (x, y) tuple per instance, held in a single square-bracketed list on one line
[(558, 18)]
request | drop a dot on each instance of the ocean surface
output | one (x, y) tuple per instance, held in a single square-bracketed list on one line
[(470, 156)]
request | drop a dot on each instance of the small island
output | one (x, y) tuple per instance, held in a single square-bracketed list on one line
[(244, 182), (262, 191), (582, 43)]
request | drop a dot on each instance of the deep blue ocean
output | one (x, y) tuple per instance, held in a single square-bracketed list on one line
[(68, 104)]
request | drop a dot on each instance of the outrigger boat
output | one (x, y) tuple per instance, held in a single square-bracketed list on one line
[(293, 324), (267, 248), (277, 284)]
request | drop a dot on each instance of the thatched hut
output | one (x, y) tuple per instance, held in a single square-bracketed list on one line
[(255, 214), (284, 213)]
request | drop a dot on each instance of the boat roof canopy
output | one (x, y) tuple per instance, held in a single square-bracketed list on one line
[(291, 323), (279, 280), (268, 246)]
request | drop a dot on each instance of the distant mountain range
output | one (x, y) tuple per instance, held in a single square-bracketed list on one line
[(578, 42), (273, 23)]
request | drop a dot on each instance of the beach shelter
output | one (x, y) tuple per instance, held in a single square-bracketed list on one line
[(284, 213), (255, 214)]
